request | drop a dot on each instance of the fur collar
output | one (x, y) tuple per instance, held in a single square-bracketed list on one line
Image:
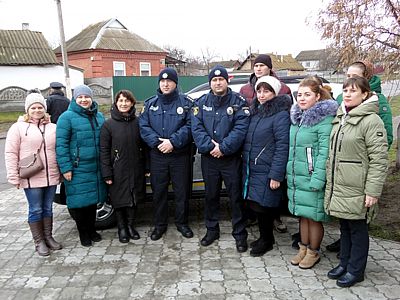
[(313, 115), (271, 107)]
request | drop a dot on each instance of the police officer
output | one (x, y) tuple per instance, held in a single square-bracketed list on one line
[(219, 125), (56, 102), (165, 127)]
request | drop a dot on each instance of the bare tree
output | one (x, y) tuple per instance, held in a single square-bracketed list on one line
[(175, 52), (362, 29), (208, 56)]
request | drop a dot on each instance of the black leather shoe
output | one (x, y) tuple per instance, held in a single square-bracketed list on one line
[(209, 238), (133, 234), (348, 280), (336, 272), (334, 247), (261, 248), (241, 245), (185, 230), (123, 235), (157, 234), (95, 237)]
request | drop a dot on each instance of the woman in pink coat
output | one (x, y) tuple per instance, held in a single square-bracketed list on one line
[(31, 132)]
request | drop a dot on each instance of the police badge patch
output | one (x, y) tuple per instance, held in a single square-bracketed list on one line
[(195, 110), (229, 110), (179, 110), (246, 110)]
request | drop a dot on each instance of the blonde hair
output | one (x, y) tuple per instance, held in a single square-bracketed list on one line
[(26, 117)]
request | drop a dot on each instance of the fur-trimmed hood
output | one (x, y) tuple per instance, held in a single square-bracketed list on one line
[(277, 104), (313, 115)]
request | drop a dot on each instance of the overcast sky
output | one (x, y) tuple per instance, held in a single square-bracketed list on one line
[(226, 28)]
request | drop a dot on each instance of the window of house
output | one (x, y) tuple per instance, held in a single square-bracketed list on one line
[(119, 68), (145, 69), (308, 64)]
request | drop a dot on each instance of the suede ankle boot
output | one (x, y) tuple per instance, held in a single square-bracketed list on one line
[(38, 238), (295, 261), (310, 260), (48, 234)]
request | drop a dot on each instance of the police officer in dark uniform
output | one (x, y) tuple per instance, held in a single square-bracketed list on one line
[(165, 127), (56, 102), (219, 125)]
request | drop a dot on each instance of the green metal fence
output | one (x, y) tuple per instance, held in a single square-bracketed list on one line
[(144, 87)]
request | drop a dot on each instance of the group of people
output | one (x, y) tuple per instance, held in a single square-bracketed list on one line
[(328, 158)]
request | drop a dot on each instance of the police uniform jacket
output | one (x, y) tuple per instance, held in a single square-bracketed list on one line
[(166, 116), (224, 119)]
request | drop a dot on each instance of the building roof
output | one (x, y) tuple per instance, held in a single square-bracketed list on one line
[(311, 55), (109, 35), (279, 62), (25, 47)]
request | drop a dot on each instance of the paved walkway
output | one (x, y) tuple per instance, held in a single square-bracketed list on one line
[(173, 267)]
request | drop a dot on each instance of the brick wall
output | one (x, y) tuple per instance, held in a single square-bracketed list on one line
[(99, 63)]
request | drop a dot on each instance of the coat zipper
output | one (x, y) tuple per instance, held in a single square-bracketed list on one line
[(333, 164), (293, 161)]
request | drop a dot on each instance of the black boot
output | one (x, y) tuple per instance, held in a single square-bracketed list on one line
[(130, 215), (266, 241), (123, 234)]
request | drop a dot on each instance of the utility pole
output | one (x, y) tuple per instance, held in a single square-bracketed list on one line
[(64, 50)]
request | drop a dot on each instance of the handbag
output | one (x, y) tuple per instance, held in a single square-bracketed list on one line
[(32, 164)]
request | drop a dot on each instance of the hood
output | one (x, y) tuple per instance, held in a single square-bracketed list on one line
[(375, 84), (118, 116), (277, 104), (369, 106), (314, 114)]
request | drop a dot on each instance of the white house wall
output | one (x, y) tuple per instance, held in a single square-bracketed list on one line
[(29, 77)]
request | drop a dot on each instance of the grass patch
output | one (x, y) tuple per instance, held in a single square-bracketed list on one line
[(383, 232), (10, 117)]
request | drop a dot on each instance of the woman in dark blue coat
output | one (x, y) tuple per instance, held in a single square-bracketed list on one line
[(265, 155)]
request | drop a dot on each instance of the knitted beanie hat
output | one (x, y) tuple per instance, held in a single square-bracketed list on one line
[(34, 98)]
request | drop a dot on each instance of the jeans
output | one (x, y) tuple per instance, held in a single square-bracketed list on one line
[(40, 202)]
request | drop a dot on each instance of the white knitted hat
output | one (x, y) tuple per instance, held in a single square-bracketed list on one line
[(34, 98), (272, 81)]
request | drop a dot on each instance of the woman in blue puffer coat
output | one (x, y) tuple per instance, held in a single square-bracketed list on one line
[(78, 152), (311, 126), (265, 156)]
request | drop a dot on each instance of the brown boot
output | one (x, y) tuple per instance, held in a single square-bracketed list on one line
[(48, 235), (310, 260), (38, 238), (300, 255)]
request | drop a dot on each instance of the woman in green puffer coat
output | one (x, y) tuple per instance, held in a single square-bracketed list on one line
[(311, 126), (78, 156), (356, 171)]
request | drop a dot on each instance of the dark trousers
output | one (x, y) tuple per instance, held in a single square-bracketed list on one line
[(229, 170), (354, 245), (174, 167), (85, 218)]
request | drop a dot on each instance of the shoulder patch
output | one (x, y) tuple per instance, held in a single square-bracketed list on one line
[(246, 110), (195, 110), (379, 133)]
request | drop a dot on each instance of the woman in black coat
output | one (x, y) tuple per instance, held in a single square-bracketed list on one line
[(122, 163), (265, 154)]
